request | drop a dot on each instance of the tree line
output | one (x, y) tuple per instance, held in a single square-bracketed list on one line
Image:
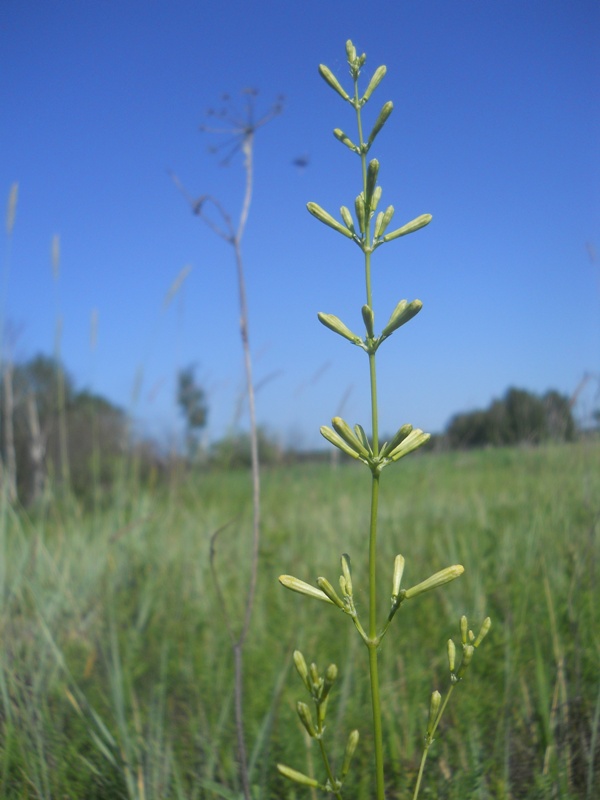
[(53, 434)]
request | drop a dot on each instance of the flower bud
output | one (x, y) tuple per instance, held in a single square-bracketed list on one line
[(380, 121), (306, 718), (372, 172), (464, 627), (362, 438), (485, 628), (451, 655), (410, 227), (434, 707), (341, 136), (337, 326), (331, 593), (438, 579), (383, 220), (347, 217), (297, 777), (369, 320), (468, 651), (397, 439), (328, 76), (402, 314), (344, 430), (301, 668), (327, 219), (397, 578), (373, 83), (350, 51), (413, 441), (347, 575), (301, 587), (350, 750), (376, 198), (337, 441), (359, 207)]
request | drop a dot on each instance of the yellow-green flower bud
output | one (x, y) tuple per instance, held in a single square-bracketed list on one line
[(337, 326), (451, 655), (362, 438), (369, 320), (297, 777), (349, 752), (331, 593), (468, 651), (410, 227), (328, 76), (331, 674), (376, 198), (402, 314), (373, 83), (380, 121), (347, 217), (464, 627), (438, 579), (341, 136), (397, 439), (327, 219), (383, 220), (301, 667), (413, 441), (347, 575), (314, 676), (485, 629), (372, 172), (344, 430), (301, 587), (350, 51), (397, 578), (434, 707), (359, 207), (337, 441), (306, 718)]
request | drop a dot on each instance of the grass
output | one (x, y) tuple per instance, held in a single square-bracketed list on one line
[(115, 673)]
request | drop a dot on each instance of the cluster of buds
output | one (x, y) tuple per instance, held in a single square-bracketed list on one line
[(319, 687), (469, 643), (355, 443)]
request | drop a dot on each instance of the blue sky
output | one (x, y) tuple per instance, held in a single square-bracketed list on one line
[(495, 132)]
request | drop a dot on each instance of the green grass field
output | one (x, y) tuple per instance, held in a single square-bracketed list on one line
[(116, 669)]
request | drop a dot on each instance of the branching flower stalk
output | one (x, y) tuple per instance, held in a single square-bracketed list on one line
[(368, 229), (241, 129)]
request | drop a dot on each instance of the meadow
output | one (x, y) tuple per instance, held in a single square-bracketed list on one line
[(116, 669)]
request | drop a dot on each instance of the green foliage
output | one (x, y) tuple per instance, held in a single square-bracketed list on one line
[(191, 399), (519, 417), (118, 607), (97, 431)]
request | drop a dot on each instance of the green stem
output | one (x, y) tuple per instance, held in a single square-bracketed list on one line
[(428, 742), (373, 640), (332, 781)]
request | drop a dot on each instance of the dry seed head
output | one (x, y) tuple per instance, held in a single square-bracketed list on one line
[(11, 209), (55, 251)]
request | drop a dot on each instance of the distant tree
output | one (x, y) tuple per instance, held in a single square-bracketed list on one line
[(98, 430), (191, 399), (520, 416)]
